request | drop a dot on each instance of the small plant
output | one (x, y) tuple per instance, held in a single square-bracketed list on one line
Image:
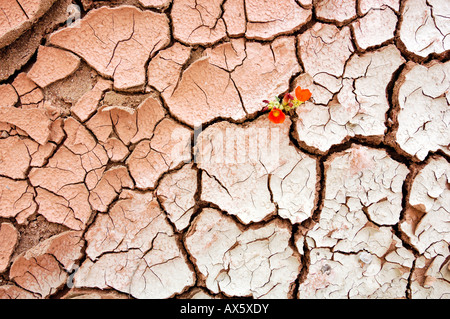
[(279, 107)]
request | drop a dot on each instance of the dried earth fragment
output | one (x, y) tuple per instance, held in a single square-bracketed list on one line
[(431, 278), (353, 252), (131, 223), (133, 249), (86, 293), (65, 93), (365, 82), (198, 293), (117, 42), (270, 18), (114, 98), (211, 89), (17, 200), (232, 80), (15, 55), (360, 106), (176, 192), (158, 4), (130, 124), (35, 231), (169, 147), (69, 206), (317, 44), (105, 188), (116, 150), (79, 155), (8, 95), (9, 237), (35, 122), (13, 292), (256, 171), (363, 179), (63, 168), (23, 84), (198, 21), (338, 276), (15, 156), (135, 161), (366, 35), (88, 103), (18, 153), (234, 17), (52, 64), (228, 55), (18, 16), (62, 194), (256, 262), (423, 113), (424, 28), (337, 11), (165, 68), (265, 71), (363, 189)]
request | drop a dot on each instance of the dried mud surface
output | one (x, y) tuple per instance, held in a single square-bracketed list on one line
[(128, 166)]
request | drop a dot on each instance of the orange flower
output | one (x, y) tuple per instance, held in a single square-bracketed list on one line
[(302, 95), (276, 116)]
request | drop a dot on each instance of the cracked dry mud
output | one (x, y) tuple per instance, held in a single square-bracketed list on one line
[(136, 160)]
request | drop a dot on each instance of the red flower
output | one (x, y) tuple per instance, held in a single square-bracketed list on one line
[(288, 97), (302, 95), (276, 116)]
